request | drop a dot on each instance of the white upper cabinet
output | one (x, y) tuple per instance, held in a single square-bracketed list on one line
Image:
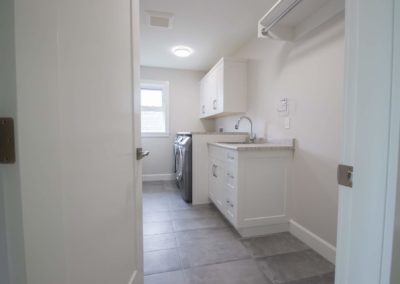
[(223, 89)]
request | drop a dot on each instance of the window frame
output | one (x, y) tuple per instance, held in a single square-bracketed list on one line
[(164, 87)]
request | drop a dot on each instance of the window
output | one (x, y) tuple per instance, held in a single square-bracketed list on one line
[(154, 108)]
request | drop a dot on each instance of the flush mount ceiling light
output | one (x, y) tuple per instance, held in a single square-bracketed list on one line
[(182, 51)]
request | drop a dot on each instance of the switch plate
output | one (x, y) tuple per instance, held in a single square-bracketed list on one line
[(287, 122)]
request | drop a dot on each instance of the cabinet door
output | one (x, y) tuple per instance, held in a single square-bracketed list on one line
[(230, 204), (212, 93), (203, 97), (218, 99), (216, 183)]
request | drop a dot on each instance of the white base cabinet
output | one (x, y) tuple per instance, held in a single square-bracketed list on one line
[(250, 188)]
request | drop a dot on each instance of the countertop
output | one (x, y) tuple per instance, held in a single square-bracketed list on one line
[(212, 133), (269, 145)]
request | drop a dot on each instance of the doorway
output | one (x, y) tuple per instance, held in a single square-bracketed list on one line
[(276, 70)]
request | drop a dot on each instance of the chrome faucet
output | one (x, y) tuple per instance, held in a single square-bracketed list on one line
[(252, 135)]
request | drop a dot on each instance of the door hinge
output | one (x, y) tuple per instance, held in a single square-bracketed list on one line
[(7, 141), (345, 175)]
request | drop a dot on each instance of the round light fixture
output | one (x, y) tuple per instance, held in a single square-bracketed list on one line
[(182, 51)]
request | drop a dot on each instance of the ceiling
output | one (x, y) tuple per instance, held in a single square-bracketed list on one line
[(212, 28)]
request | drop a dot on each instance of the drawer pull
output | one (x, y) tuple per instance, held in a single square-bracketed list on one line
[(214, 172), (230, 175), (230, 157)]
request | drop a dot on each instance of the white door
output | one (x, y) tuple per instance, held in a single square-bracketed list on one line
[(78, 126), (371, 144)]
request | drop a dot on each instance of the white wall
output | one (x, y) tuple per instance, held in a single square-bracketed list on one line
[(184, 116), (11, 233), (74, 102), (310, 74)]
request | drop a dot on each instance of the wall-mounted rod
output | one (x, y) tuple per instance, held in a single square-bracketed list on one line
[(265, 30)]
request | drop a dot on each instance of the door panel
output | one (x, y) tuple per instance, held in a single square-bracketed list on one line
[(77, 140)]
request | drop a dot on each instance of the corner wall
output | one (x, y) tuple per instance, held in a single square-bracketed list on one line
[(310, 74), (184, 104)]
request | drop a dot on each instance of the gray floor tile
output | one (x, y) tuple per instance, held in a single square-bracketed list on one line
[(150, 217), (159, 242), (237, 272), (179, 203), (173, 277), (161, 261), (205, 236), (322, 279), (156, 228), (203, 223), (274, 244), (194, 213), (152, 186), (170, 186), (178, 234), (212, 253), (155, 205), (294, 266)]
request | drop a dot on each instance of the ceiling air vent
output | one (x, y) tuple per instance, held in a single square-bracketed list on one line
[(159, 19)]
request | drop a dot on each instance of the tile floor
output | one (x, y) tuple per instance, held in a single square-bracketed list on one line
[(185, 244)]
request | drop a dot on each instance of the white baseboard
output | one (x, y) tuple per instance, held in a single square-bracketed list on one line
[(318, 244), (256, 231), (158, 177)]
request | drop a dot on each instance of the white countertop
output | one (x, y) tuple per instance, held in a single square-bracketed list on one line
[(212, 133), (258, 146)]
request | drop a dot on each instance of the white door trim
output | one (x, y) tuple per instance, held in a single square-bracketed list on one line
[(391, 257), (371, 142)]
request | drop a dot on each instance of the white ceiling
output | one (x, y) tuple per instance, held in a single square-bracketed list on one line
[(212, 28)]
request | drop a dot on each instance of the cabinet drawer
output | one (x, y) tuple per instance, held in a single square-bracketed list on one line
[(224, 155), (231, 177), (231, 156)]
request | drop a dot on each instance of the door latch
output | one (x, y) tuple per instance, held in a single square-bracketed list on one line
[(345, 175), (140, 154)]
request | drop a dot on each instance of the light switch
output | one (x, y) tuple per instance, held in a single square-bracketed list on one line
[(287, 122)]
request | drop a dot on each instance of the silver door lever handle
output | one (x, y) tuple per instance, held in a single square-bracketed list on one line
[(140, 154)]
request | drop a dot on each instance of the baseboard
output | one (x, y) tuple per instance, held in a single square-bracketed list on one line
[(318, 244), (256, 231), (158, 177)]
